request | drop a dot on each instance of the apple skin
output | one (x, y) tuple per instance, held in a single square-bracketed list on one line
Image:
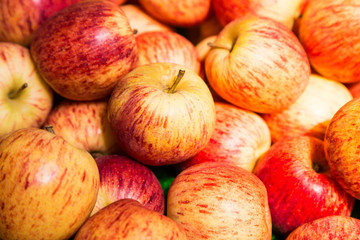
[(322, 35), (258, 64), (48, 187), (240, 137), (312, 111), (217, 200), (354, 89), (31, 106), (160, 127), (299, 184), (127, 219), (167, 46), (84, 49), (122, 177), (283, 11), (341, 146), (85, 125)]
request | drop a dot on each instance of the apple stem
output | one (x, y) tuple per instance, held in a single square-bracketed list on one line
[(213, 45), (14, 94), (49, 128), (177, 80), (316, 167)]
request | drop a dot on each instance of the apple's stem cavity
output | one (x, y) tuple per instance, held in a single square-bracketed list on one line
[(15, 93), (177, 80), (49, 128), (317, 168), (135, 31)]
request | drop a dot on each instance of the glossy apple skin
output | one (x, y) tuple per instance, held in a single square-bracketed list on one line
[(328, 228), (127, 219), (47, 186), (322, 32), (122, 177), (161, 128), (283, 11), (84, 49), (85, 125), (341, 146), (32, 106), (312, 111), (217, 200), (240, 137), (262, 67), (297, 192)]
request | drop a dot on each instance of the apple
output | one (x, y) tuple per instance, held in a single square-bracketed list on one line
[(167, 46), (161, 113), (127, 219), (258, 64), (328, 228), (122, 177), (26, 99), (48, 187), (217, 200), (84, 49), (283, 11), (185, 13), (354, 89), (322, 34), (211, 26), (85, 125), (311, 112), (342, 146), (240, 137), (299, 184)]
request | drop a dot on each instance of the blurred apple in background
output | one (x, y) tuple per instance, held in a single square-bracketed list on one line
[(299, 184), (211, 26), (322, 34), (84, 49), (27, 99), (311, 112), (127, 219), (48, 187), (162, 113), (258, 64), (217, 200), (240, 137), (354, 89), (84, 124), (122, 177)]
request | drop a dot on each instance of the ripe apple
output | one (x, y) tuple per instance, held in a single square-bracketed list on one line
[(342, 146), (240, 137), (27, 99), (122, 177), (167, 46), (48, 187), (328, 228), (311, 113), (299, 184), (217, 200), (84, 49), (85, 125), (162, 113), (127, 219), (322, 34), (258, 64)]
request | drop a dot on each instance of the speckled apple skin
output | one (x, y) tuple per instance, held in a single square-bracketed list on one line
[(342, 144), (328, 228), (322, 30), (127, 219), (264, 68), (297, 193), (47, 187), (84, 49), (216, 200)]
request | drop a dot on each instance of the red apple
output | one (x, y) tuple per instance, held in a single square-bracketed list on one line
[(162, 113), (258, 64), (299, 184), (122, 177), (217, 200), (84, 49), (240, 137)]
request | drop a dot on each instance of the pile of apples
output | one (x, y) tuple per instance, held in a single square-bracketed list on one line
[(191, 119)]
